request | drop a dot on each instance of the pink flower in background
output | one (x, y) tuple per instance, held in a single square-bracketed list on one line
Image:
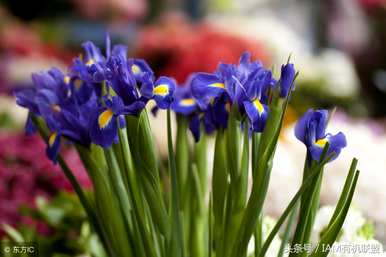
[(117, 9), (26, 173)]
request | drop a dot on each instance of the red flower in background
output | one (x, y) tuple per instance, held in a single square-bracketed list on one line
[(372, 4), (176, 48), (25, 173)]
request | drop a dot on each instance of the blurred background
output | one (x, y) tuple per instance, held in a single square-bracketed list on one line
[(337, 45)]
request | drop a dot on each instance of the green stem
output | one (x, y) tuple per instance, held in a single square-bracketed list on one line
[(177, 242)]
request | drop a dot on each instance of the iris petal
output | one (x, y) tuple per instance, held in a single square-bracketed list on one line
[(53, 146), (163, 92), (103, 128), (184, 106), (206, 86), (286, 79), (194, 127), (257, 114)]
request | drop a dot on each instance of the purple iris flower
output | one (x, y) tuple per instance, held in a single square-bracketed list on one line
[(311, 130), (245, 85), (62, 106)]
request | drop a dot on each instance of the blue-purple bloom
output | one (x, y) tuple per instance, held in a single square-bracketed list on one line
[(63, 106), (87, 104), (311, 130), (245, 85)]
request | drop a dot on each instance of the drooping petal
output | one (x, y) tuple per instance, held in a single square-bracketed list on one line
[(257, 114), (103, 128), (163, 92), (53, 146), (194, 127), (337, 143), (206, 86), (29, 126), (185, 106)]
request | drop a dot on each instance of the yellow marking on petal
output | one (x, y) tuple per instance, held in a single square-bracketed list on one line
[(161, 90), (321, 142), (105, 118), (78, 84), (187, 102), (52, 139), (66, 79), (56, 108), (90, 62), (258, 105), (218, 85), (135, 69)]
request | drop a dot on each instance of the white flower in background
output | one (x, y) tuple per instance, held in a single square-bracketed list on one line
[(9, 107), (335, 70), (356, 235), (33, 63), (366, 141), (331, 70), (268, 224), (351, 230)]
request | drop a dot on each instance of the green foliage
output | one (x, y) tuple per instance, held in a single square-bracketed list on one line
[(137, 212), (69, 230)]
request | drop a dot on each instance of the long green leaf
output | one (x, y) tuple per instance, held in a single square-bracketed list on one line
[(288, 210), (177, 241), (332, 231)]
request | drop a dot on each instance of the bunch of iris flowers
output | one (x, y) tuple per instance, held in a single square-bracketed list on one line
[(138, 207)]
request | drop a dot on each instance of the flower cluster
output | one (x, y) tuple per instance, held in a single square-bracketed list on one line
[(247, 87), (86, 104)]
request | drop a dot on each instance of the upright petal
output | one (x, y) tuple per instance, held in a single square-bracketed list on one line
[(302, 125), (93, 53), (286, 79)]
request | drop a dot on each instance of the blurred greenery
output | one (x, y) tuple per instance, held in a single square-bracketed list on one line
[(70, 233)]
